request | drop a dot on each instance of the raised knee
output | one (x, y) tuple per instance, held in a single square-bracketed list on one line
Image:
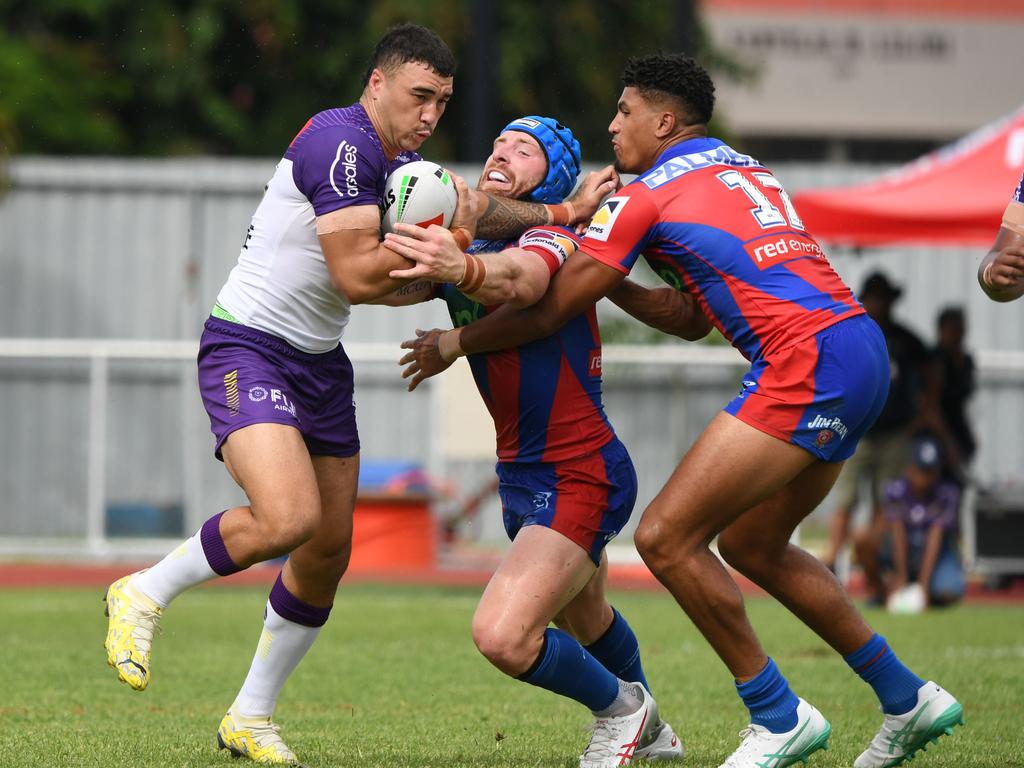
[(654, 545), (282, 532), (513, 654)]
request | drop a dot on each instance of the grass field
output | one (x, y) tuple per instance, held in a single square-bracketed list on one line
[(394, 680)]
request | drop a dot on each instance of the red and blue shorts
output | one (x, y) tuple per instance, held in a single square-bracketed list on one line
[(821, 394), (588, 499)]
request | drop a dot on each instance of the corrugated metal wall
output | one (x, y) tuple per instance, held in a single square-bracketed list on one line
[(138, 249)]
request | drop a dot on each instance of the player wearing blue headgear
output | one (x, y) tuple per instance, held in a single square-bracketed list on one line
[(562, 152), (566, 482)]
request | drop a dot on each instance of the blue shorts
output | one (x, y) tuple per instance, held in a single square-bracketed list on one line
[(821, 394), (248, 377), (588, 500)]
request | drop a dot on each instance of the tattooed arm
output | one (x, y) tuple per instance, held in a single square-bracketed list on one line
[(504, 217), (411, 293)]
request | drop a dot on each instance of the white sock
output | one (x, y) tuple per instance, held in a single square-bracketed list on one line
[(626, 703), (282, 646), (185, 567)]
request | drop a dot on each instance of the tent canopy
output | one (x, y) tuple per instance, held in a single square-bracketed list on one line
[(955, 195)]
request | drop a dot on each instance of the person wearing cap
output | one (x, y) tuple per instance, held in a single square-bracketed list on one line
[(911, 406), (1001, 272), (921, 515), (567, 484)]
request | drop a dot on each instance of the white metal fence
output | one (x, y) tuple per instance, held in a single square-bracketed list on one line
[(108, 268)]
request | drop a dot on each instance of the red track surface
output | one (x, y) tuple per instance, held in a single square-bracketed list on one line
[(628, 577)]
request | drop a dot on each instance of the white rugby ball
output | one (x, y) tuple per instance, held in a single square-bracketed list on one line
[(420, 193), (908, 599)]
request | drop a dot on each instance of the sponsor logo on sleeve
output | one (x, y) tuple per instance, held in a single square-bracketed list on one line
[(601, 225), (346, 156), (559, 245)]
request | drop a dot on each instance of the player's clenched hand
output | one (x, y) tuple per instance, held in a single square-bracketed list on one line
[(595, 188), (425, 358), (437, 255), (467, 209), (1007, 269)]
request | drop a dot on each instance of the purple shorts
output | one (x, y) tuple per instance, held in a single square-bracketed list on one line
[(248, 377)]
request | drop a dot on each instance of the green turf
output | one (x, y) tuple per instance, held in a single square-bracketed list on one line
[(394, 680)]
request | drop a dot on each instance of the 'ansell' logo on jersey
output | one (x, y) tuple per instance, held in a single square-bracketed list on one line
[(347, 155), (603, 221)]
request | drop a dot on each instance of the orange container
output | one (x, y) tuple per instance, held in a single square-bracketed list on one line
[(393, 531)]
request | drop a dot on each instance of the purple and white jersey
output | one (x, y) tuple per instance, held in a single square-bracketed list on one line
[(918, 514), (1018, 193), (281, 284)]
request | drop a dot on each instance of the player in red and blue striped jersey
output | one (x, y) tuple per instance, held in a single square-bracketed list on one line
[(1001, 273), (566, 483), (718, 226)]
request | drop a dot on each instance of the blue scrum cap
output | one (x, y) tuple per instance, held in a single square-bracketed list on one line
[(562, 151)]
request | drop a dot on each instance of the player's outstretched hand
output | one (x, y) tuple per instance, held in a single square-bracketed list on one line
[(425, 358), (595, 188), (437, 255), (467, 209)]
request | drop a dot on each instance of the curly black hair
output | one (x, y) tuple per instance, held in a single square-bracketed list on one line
[(411, 42), (674, 75)]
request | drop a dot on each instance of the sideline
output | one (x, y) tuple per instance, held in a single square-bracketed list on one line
[(623, 576)]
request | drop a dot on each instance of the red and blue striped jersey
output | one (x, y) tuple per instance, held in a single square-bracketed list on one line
[(545, 396), (717, 223)]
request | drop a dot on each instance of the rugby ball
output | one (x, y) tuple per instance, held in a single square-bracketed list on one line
[(420, 193), (909, 599)]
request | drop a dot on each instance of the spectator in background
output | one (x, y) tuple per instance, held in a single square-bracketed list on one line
[(954, 368), (1001, 272), (920, 512), (909, 408)]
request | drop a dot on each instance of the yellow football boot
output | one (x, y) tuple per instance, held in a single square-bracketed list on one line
[(133, 618), (254, 737)]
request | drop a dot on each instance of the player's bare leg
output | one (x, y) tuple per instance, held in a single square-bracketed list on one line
[(540, 574), (298, 607), (272, 465), (543, 572), (782, 484), (702, 498), (270, 462), (757, 545), (603, 631)]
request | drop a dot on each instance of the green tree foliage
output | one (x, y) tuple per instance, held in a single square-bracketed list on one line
[(165, 77)]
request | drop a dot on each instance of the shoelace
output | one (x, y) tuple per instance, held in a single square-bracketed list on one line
[(603, 743), (145, 622), (889, 739), (748, 744), (269, 735)]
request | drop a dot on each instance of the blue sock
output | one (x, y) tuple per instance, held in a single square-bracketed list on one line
[(619, 651), (894, 684), (566, 668), (769, 700)]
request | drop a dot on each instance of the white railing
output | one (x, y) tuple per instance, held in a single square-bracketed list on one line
[(100, 352)]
